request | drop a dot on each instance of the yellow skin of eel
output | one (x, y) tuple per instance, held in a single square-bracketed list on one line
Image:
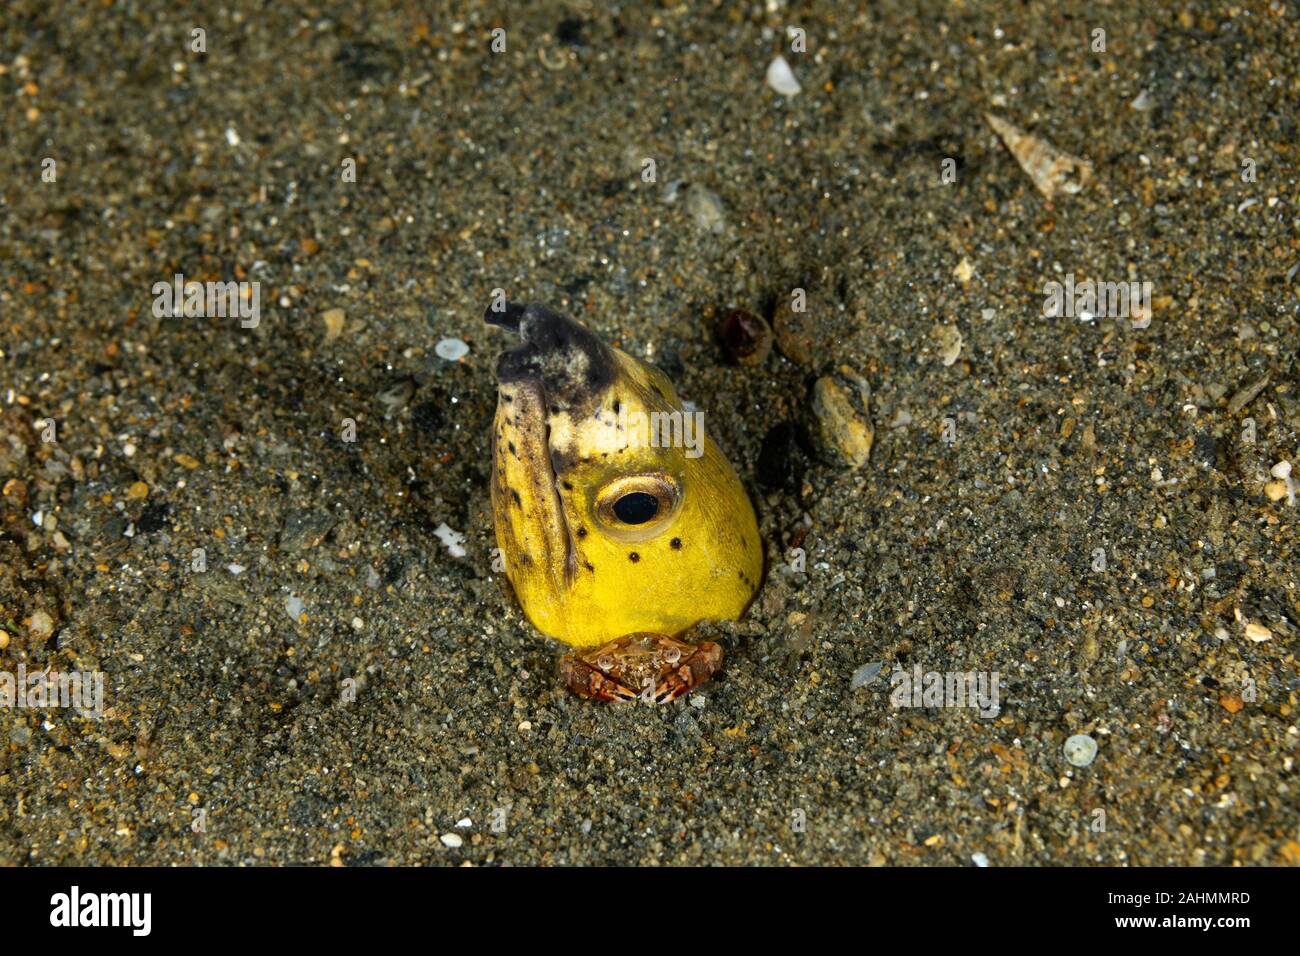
[(580, 573)]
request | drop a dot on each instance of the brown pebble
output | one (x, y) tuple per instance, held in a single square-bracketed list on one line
[(1247, 395), (793, 339), (16, 489), (187, 461), (138, 491)]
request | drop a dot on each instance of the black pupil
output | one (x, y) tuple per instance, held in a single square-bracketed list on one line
[(636, 507)]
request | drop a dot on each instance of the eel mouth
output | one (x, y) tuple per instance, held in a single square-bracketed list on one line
[(527, 481)]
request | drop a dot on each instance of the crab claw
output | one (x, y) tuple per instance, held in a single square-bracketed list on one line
[(653, 668)]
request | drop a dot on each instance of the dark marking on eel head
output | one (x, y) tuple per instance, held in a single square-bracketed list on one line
[(571, 364), (561, 462)]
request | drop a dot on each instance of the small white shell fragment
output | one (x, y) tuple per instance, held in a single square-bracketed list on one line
[(963, 270), (949, 340), (1051, 169), (451, 349), (464, 823), (294, 606), (865, 674), (705, 207), (979, 859), (1080, 750), (1258, 632), (452, 539), (781, 78), (452, 840), (41, 625), (1283, 485), (1143, 102), (334, 320)]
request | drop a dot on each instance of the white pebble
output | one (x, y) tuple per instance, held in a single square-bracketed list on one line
[(464, 823), (1080, 750), (452, 840), (865, 674), (452, 539), (1281, 470), (294, 606), (451, 349), (705, 207), (781, 78), (1258, 632), (979, 859)]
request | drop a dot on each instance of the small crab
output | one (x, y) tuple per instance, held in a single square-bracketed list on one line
[(650, 667)]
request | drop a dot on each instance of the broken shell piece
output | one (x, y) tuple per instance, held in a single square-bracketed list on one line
[(1051, 169), (781, 78), (948, 339), (1258, 632), (1143, 102), (705, 207), (841, 408), (1282, 472)]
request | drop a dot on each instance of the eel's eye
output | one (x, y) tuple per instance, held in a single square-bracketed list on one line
[(637, 506)]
